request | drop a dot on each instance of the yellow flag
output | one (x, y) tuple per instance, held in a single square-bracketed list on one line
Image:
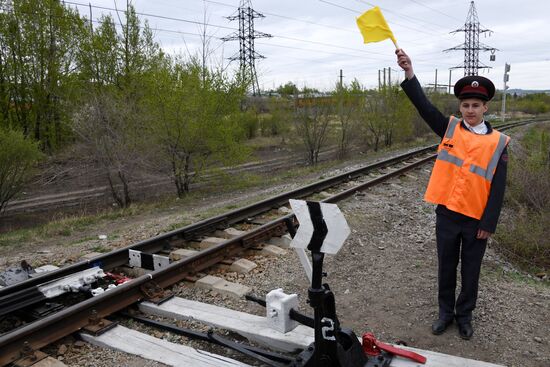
[(373, 27)]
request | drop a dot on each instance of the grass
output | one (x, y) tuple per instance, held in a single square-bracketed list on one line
[(502, 273), (100, 249), (68, 226)]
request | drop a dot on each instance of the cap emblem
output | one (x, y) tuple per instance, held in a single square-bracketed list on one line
[(475, 84)]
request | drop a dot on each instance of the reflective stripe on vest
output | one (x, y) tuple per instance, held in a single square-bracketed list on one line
[(445, 156), (489, 172), (453, 122)]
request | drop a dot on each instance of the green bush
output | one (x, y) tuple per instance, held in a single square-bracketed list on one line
[(525, 240), (249, 122), (17, 157), (535, 103)]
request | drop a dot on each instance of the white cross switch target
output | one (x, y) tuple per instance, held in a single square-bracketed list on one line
[(338, 229)]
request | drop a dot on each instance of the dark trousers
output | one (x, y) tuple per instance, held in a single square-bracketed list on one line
[(456, 239)]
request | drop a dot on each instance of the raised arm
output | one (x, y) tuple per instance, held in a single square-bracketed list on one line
[(433, 117)]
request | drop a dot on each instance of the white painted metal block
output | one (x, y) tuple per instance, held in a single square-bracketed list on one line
[(278, 306), (147, 261), (71, 283)]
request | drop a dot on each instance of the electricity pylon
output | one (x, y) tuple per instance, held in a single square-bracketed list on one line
[(472, 46), (246, 35)]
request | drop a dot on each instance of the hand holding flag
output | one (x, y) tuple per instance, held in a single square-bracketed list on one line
[(374, 28)]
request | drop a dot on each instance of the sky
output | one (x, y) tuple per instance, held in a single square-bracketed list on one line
[(312, 40)]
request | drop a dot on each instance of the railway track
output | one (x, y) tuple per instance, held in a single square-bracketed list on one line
[(80, 198), (259, 220)]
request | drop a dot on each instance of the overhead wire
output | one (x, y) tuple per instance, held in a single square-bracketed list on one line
[(332, 27), (152, 15), (359, 12), (224, 27), (437, 11), (416, 20)]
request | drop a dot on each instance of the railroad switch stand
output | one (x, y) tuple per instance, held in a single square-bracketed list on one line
[(334, 346), (323, 229)]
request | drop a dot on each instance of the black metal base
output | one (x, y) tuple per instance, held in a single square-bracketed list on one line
[(349, 354), (382, 360)]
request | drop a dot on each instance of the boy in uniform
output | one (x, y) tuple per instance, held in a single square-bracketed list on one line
[(467, 184)]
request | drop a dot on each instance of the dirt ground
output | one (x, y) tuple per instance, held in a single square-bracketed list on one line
[(384, 278)]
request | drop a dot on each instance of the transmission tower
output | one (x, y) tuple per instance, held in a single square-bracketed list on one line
[(472, 46), (246, 35)]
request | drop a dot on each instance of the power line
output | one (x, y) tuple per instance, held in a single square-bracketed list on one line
[(223, 27), (437, 11), (358, 12), (116, 24), (152, 15), (289, 18), (417, 20)]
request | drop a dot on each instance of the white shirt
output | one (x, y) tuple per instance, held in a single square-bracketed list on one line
[(480, 129)]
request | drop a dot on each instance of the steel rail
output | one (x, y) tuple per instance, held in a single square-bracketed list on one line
[(42, 332)]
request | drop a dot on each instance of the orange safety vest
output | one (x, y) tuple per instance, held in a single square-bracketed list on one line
[(464, 168)]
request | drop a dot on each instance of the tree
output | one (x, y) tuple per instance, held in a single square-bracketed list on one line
[(287, 90), (348, 99), (385, 116), (115, 84), (111, 132), (197, 119), (17, 156), (39, 42), (312, 123), (371, 117), (279, 121)]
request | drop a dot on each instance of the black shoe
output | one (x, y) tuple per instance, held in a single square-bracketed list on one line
[(465, 330), (439, 326)]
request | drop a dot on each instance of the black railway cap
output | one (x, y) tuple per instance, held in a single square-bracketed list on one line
[(474, 86)]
